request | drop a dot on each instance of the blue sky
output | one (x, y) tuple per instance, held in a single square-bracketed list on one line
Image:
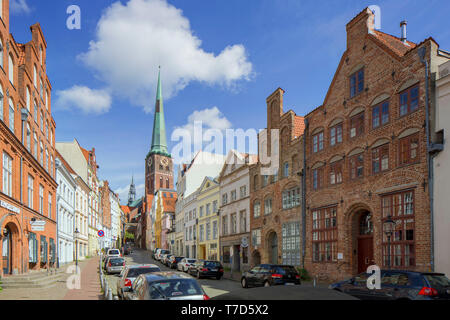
[(220, 60)]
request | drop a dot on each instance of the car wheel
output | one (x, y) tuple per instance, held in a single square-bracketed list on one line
[(244, 283), (218, 277), (266, 284)]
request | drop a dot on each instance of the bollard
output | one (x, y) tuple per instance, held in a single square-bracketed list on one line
[(110, 297), (106, 291)]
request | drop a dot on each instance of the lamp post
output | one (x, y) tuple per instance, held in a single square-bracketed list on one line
[(389, 226), (76, 232)]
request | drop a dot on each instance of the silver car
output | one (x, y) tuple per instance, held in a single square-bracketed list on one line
[(167, 285), (115, 265), (130, 273), (185, 263)]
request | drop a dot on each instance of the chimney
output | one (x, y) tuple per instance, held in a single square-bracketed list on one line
[(403, 30)]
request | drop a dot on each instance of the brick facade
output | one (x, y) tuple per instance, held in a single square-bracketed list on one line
[(337, 249)]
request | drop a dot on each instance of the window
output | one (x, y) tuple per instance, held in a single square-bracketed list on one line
[(265, 180), (357, 125), (167, 183), (208, 209), (35, 112), (380, 159), (336, 172), (7, 174), (291, 198), (208, 231), (243, 221), (226, 254), (256, 209), (2, 47), (317, 178), (47, 160), (286, 169), (255, 183), (11, 115), (42, 89), (356, 83), (336, 134), (201, 235), (357, 166), (42, 121), (324, 235), (291, 243), (214, 230), (409, 147), (268, 206), (380, 114), (215, 206), (32, 248), (409, 100), (41, 153), (35, 145), (201, 211), (11, 69), (30, 192), (28, 137), (161, 182), (35, 76), (233, 195), (256, 237), (224, 199), (225, 225), (318, 142), (243, 191), (233, 223), (49, 205), (401, 207), (41, 199), (1, 103)]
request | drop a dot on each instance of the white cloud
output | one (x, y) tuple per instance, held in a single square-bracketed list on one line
[(19, 6), (210, 118), (83, 98), (132, 40)]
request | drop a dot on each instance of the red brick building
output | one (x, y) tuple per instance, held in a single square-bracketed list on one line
[(275, 200), (27, 150), (366, 150)]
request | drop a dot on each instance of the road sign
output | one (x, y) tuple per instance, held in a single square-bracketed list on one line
[(100, 233), (244, 242)]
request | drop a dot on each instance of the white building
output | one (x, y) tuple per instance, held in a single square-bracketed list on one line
[(442, 172), (115, 219), (65, 207)]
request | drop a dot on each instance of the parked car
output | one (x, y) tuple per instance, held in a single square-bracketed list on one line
[(269, 275), (184, 264), (115, 265), (162, 257), (130, 273), (169, 285), (398, 285), (154, 253), (160, 252), (105, 262), (113, 253), (206, 268), (173, 262), (166, 259), (127, 249)]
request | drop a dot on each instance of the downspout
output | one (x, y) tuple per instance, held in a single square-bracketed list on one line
[(304, 197), (23, 117), (421, 52)]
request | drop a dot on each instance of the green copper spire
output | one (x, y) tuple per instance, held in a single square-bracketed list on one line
[(159, 143)]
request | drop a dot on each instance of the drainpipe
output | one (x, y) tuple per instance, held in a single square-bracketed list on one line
[(24, 117), (304, 197), (421, 52), (57, 167)]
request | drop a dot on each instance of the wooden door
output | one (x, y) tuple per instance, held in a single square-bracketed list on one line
[(365, 253)]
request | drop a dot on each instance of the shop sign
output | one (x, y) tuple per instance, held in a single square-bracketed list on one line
[(9, 207)]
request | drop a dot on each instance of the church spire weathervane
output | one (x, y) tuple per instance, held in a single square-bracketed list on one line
[(159, 143)]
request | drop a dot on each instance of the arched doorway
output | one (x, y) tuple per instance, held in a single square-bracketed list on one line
[(256, 258), (364, 240), (273, 248)]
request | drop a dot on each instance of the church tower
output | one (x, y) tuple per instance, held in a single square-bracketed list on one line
[(158, 163), (132, 192)]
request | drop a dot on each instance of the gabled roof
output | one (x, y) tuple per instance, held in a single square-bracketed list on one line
[(299, 126), (125, 209), (392, 43), (64, 162)]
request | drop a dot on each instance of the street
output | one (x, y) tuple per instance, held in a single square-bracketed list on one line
[(211, 286)]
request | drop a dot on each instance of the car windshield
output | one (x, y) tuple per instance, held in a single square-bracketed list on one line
[(437, 280), (117, 261), (165, 251), (284, 270), (174, 288), (212, 264), (113, 252), (178, 258), (135, 272), (190, 261)]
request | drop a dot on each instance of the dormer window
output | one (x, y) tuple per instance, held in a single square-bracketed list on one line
[(356, 83)]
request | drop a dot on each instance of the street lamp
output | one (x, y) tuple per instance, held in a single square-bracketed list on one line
[(389, 226), (76, 232)]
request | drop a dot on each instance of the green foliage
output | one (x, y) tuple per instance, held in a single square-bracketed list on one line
[(304, 275), (129, 235)]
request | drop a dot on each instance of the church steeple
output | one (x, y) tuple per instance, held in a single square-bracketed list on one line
[(159, 143), (132, 192)]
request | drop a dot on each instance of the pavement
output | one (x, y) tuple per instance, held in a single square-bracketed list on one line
[(90, 288)]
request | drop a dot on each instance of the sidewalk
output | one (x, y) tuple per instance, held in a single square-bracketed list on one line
[(90, 286)]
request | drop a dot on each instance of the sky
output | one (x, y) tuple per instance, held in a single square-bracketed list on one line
[(219, 61)]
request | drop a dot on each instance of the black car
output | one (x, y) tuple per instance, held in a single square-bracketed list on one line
[(269, 275), (398, 285), (127, 249), (206, 268), (173, 261)]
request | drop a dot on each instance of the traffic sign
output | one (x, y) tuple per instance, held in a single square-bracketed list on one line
[(100, 233)]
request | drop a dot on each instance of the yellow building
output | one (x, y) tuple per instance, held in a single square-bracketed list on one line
[(208, 219)]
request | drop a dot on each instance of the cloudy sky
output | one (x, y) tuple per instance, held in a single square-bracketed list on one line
[(219, 61)]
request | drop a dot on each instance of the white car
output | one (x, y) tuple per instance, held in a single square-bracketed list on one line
[(160, 252), (185, 263), (114, 253)]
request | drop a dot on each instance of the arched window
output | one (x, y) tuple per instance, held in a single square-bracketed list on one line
[(28, 99), (286, 169), (35, 76), (35, 112), (42, 121), (11, 115), (161, 182), (167, 183), (35, 144), (41, 153), (51, 166), (28, 137), (11, 69), (1, 103), (46, 130), (256, 209)]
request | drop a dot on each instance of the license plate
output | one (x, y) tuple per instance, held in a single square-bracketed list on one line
[(213, 269), (289, 284)]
